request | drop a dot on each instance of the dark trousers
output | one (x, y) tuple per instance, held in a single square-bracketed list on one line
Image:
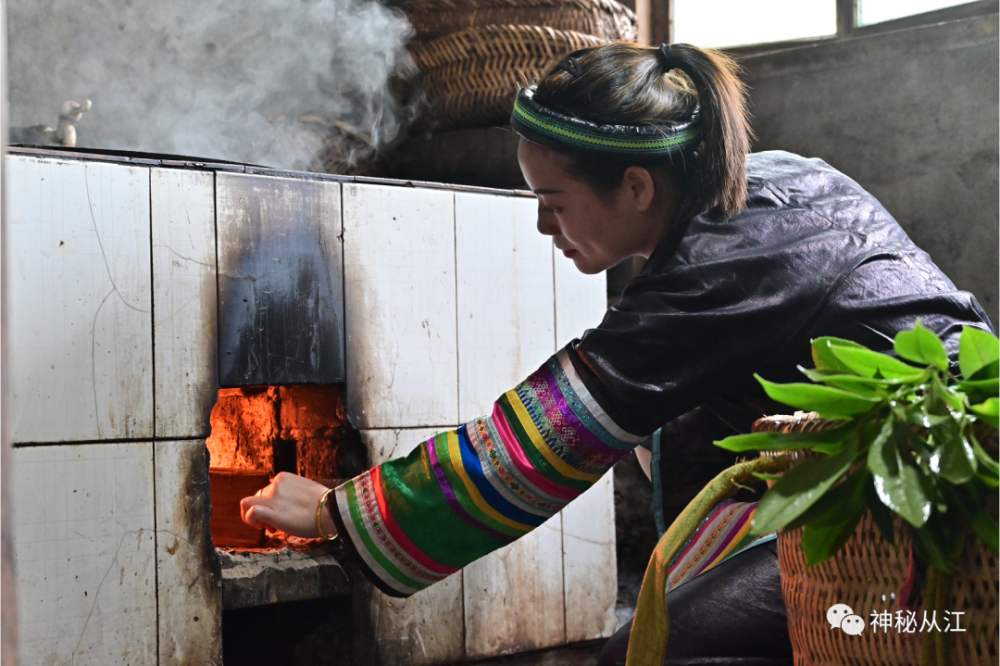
[(732, 615)]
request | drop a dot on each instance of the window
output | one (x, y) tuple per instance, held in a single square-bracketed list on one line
[(877, 11), (745, 27), (739, 22)]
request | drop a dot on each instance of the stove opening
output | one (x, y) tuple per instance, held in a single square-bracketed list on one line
[(262, 430)]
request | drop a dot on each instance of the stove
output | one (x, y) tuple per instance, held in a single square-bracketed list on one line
[(173, 316)]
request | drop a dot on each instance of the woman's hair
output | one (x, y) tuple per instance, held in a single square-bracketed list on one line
[(626, 84)]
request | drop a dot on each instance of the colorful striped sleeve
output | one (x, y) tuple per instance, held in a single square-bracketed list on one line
[(464, 493)]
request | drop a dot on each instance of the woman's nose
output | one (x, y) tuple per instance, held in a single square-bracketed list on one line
[(546, 225)]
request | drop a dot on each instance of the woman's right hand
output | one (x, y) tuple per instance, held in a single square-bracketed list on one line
[(288, 504)]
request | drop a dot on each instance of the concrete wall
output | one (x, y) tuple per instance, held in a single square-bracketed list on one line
[(911, 115)]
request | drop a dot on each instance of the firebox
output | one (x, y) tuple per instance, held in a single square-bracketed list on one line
[(262, 430)]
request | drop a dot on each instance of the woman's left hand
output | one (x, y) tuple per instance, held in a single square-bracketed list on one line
[(288, 504)]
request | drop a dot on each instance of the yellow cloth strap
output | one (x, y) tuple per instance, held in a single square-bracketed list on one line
[(650, 626)]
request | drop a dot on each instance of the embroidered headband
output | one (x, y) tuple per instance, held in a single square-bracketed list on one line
[(552, 129)]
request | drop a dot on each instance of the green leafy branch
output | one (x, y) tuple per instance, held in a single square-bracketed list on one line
[(903, 442)]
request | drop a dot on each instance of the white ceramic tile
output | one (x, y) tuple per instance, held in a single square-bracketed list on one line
[(581, 300), (514, 596), (184, 300), (280, 280), (426, 628), (81, 354), (421, 630), (588, 522), (399, 283), (85, 554), (589, 562), (189, 584), (395, 442), (506, 316)]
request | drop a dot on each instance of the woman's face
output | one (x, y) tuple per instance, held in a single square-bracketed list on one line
[(595, 230)]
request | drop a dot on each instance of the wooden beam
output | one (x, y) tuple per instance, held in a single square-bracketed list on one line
[(644, 11), (659, 21), (847, 18)]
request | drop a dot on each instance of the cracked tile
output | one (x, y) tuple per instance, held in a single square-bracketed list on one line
[(81, 354)]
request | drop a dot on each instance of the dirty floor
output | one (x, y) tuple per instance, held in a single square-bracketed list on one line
[(581, 654)]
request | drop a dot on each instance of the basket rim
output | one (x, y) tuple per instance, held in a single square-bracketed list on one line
[(430, 7), (797, 422), (532, 45), (508, 40)]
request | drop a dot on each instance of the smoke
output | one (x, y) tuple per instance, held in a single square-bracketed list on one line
[(219, 79)]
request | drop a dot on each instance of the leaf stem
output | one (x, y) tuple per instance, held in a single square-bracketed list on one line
[(934, 644)]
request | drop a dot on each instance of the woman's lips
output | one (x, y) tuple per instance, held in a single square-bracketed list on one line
[(569, 253)]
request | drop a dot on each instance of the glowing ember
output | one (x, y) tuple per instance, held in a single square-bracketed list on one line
[(260, 431)]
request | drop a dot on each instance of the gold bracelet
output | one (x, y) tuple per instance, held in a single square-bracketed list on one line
[(319, 517)]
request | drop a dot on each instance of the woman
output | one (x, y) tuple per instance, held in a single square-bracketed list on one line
[(637, 151)]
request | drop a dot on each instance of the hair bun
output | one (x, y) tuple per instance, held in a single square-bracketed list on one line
[(665, 54)]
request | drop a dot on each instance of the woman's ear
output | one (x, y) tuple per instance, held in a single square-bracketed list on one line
[(640, 187)]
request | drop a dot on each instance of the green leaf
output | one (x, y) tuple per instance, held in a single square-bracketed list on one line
[(822, 539), (948, 531), (985, 528), (839, 496), (926, 545), (777, 441), (952, 457), (757, 441), (799, 488), (903, 493), (822, 376), (823, 356), (940, 541), (954, 460), (976, 350), (866, 386), (882, 516), (947, 393), (988, 411), (978, 518), (831, 403), (922, 346), (882, 457), (985, 386), (989, 468), (869, 364), (988, 371), (987, 478), (896, 483), (924, 420)]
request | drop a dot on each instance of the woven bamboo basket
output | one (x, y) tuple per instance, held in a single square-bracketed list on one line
[(867, 574), (470, 77), (606, 19)]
